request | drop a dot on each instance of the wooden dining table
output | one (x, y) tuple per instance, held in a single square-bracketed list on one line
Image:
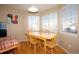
[(42, 36)]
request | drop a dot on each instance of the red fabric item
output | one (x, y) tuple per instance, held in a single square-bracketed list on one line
[(7, 42)]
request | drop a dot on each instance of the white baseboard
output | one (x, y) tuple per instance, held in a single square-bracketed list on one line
[(64, 49)]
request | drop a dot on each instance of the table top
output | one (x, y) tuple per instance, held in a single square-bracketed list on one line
[(42, 34)]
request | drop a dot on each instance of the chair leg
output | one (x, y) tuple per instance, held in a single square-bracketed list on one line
[(18, 49), (30, 48), (41, 47), (51, 50), (44, 49), (34, 48)]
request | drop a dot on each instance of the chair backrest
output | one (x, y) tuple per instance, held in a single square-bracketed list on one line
[(27, 36), (31, 38), (54, 39)]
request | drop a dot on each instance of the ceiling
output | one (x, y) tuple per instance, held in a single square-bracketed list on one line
[(25, 7)]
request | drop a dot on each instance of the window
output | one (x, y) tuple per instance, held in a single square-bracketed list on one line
[(69, 18), (49, 22), (33, 23)]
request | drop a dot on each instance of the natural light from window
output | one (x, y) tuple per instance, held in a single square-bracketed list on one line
[(33, 23), (69, 18), (49, 22)]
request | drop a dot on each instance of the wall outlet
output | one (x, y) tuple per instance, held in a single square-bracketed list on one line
[(69, 46)]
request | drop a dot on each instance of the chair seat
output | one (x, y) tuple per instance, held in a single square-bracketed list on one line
[(34, 42), (50, 44)]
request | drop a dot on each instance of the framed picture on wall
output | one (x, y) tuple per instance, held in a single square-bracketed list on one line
[(12, 18)]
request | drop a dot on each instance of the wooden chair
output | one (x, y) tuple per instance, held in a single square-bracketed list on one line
[(33, 41), (51, 43)]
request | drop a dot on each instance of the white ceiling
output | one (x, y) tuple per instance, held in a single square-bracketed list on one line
[(25, 7)]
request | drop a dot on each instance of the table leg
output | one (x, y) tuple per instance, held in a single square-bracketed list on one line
[(34, 48), (45, 46)]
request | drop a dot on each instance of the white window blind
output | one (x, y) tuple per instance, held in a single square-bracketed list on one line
[(69, 18), (49, 22), (33, 23)]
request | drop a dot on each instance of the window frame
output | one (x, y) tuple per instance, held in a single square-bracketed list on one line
[(28, 23), (52, 13), (61, 20)]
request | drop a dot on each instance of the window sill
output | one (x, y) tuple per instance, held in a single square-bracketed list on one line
[(70, 34)]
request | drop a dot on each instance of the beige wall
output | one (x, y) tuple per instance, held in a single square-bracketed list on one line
[(15, 30)]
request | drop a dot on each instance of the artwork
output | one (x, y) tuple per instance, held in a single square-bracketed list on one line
[(12, 18)]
